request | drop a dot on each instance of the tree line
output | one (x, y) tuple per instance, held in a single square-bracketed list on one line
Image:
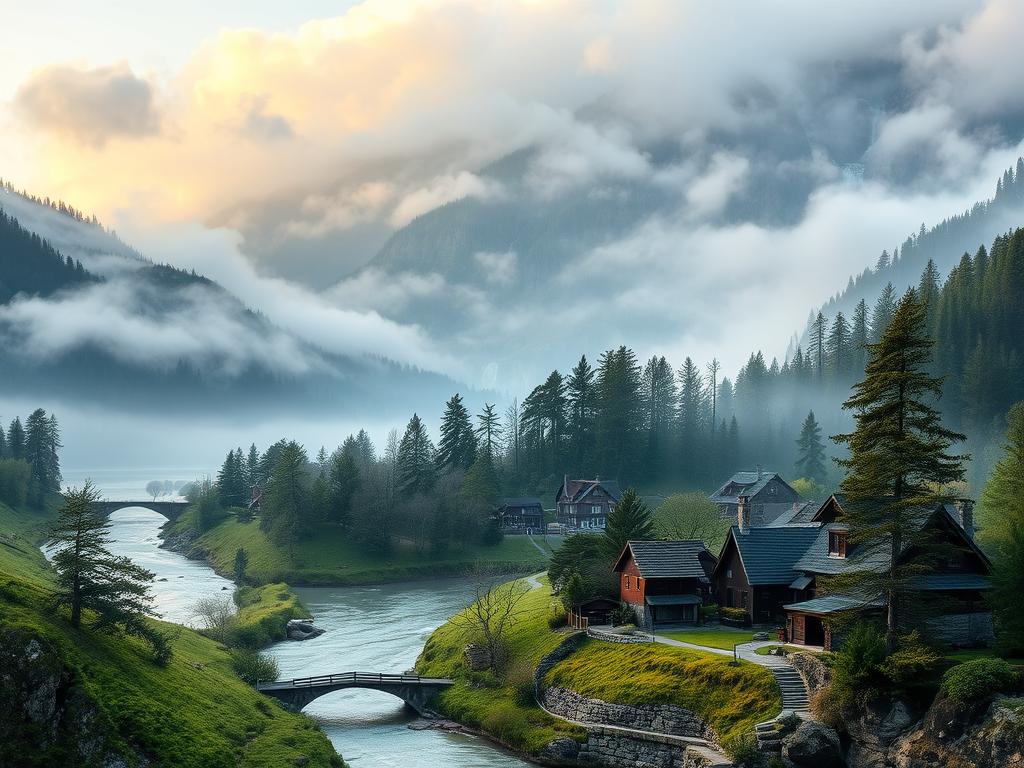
[(29, 460)]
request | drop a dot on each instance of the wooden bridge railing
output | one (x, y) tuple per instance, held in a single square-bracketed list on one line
[(359, 677)]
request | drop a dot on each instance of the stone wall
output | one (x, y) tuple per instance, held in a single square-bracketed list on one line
[(619, 637), (611, 749), (816, 674), (663, 718), (963, 628)]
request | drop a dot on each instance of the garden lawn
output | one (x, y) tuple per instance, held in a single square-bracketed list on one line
[(501, 706), (724, 638), (732, 699), (329, 556), (969, 654)]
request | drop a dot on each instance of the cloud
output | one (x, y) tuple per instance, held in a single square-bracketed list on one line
[(498, 268), (441, 190), (708, 194), (89, 106)]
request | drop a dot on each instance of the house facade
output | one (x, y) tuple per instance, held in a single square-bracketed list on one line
[(777, 574), (665, 582), (520, 515), (767, 494), (585, 504)]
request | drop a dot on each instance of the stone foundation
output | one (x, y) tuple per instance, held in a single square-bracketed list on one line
[(963, 629)]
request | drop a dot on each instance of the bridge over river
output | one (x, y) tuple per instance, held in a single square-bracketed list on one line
[(414, 690), (170, 509)]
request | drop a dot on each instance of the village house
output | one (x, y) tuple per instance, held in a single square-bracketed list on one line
[(775, 573), (525, 515), (585, 504), (767, 494), (665, 582)]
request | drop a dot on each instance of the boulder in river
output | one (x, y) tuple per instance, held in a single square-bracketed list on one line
[(302, 629)]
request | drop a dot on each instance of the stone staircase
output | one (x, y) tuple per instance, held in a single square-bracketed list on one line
[(793, 688)]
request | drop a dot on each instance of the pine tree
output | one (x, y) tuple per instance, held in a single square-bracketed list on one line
[(810, 461), (240, 564), (837, 348), (252, 468), (285, 510), (366, 452), (882, 315), (691, 415), (859, 338), (658, 407), (92, 582), (928, 291), (898, 459), (630, 520), (581, 400), (818, 337), (231, 490), (416, 472), (41, 443), (617, 421), (3, 444), (344, 481), (488, 429), (16, 439), (457, 447)]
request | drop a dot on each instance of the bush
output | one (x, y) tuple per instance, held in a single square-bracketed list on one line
[(708, 611), (734, 615), (520, 677), (912, 662), (253, 667), (558, 618), (507, 722), (979, 678), (623, 614), (858, 664)]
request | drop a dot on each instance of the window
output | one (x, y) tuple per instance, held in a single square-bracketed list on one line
[(837, 543), (595, 509), (629, 584), (728, 573)]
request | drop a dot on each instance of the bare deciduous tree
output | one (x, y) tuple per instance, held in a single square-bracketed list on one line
[(495, 606), (216, 616)]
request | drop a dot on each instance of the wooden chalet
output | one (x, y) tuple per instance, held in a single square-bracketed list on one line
[(521, 515), (774, 572), (585, 504), (665, 582), (768, 497)]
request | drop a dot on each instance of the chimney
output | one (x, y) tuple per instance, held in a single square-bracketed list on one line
[(597, 478), (742, 513), (759, 471), (965, 515)]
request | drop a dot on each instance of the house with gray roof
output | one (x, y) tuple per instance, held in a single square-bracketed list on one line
[(767, 496), (520, 515), (665, 582), (585, 504)]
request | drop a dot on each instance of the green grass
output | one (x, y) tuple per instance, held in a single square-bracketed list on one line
[(495, 704), (970, 654), (732, 699), (263, 614), (724, 638), (329, 557), (193, 713)]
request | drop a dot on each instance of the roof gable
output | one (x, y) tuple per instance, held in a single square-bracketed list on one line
[(770, 555), (746, 484), (666, 559)]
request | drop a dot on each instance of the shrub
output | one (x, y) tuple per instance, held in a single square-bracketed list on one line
[(912, 662), (253, 667), (708, 611), (976, 679), (508, 723), (742, 749), (520, 677), (827, 706), (858, 664), (623, 614), (558, 617), (736, 615)]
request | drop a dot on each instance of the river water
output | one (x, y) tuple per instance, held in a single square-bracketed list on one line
[(368, 629)]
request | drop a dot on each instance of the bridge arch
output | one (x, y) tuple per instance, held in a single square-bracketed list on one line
[(414, 690), (172, 510)]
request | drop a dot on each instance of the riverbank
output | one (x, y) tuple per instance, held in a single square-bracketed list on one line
[(654, 684), (328, 557), (78, 696)]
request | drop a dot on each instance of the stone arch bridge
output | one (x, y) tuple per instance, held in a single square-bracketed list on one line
[(170, 509), (414, 690)]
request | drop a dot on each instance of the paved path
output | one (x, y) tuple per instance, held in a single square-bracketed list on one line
[(545, 552), (533, 581), (791, 683)]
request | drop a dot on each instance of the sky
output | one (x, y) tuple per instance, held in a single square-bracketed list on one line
[(277, 146)]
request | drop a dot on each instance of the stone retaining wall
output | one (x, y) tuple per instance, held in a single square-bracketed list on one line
[(615, 637), (963, 628), (611, 749), (662, 718), (814, 671)]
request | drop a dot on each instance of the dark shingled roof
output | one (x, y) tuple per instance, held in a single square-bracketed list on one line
[(952, 581), (666, 559), (524, 502), (577, 490), (752, 482), (770, 555), (830, 604)]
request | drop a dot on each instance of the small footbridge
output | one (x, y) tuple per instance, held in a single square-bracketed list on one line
[(414, 690), (170, 509)]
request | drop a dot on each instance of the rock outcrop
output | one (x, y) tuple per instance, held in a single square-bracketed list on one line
[(302, 629), (812, 745), (46, 712), (880, 723)]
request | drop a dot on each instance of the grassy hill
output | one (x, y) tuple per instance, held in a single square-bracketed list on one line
[(330, 557), (731, 698), (108, 698)]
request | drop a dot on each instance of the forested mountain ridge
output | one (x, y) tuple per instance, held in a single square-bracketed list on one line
[(84, 316)]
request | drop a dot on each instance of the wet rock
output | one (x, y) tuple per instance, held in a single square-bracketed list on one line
[(302, 629), (812, 745), (561, 749)]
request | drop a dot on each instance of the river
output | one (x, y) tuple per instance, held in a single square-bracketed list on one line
[(371, 629)]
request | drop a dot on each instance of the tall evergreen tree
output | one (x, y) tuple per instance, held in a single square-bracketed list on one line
[(343, 482), (691, 415), (16, 439), (882, 314), (416, 472), (810, 461), (252, 467), (581, 400), (859, 336), (488, 429), (838, 349), (658, 400), (818, 341), (898, 459), (457, 447), (41, 443), (91, 581), (618, 424), (285, 509), (630, 520), (231, 488)]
